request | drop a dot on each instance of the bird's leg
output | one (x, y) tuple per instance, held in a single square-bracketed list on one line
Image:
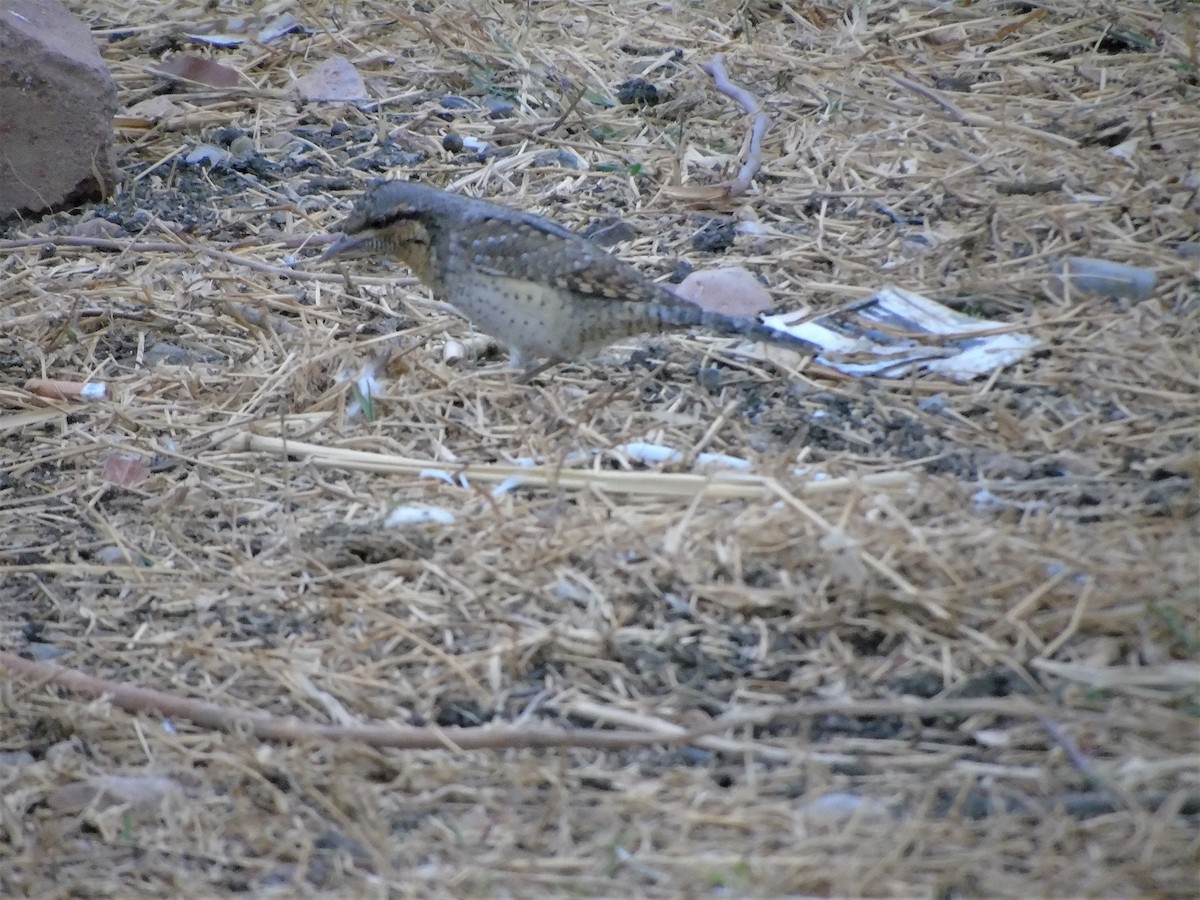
[(533, 370)]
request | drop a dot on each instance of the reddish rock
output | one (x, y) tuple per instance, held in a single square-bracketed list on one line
[(57, 101)]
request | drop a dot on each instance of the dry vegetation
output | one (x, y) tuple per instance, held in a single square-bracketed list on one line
[(969, 668)]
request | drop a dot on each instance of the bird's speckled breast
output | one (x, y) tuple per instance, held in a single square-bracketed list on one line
[(535, 320)]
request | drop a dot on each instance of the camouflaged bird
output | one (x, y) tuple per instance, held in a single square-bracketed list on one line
[(544, 291)]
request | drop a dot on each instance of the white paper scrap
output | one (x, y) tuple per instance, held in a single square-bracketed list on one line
[(418, 515), (897, 331)]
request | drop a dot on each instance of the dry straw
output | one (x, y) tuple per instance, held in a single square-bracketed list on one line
[(964, 664)]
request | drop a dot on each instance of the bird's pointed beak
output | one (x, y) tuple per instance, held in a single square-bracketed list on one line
[(345, 246)]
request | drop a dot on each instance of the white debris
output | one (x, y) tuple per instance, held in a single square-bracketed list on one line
[(418, 515), (897, 331)]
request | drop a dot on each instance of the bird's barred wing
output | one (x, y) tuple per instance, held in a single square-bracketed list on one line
[(556, 258)]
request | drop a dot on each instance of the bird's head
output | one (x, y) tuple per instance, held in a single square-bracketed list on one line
[(392, 218)]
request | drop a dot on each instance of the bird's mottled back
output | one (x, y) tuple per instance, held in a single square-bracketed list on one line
[(387, 201), (564, 261)]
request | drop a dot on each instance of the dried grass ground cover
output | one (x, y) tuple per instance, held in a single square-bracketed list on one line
[(975, 674)]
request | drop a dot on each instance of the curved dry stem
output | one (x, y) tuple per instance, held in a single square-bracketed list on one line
[(266, 727), (760, 124)]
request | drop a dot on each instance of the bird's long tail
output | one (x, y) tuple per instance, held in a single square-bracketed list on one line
[(678, 314)]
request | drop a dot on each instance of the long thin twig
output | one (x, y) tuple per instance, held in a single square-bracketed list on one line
[(979, 120), (715, 486), (759, 125), (135, 246), (272, 728), (651, 730)]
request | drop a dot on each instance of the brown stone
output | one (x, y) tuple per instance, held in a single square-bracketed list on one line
[(57, 101)]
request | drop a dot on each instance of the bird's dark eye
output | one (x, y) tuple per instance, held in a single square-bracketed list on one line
[(395, 214)]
